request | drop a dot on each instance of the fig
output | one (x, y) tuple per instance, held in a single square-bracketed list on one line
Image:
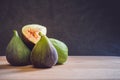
[(62, 50), (44, 54), (17, 53), (30, 34)]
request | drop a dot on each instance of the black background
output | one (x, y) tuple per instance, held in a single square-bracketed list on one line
[(88, 27)]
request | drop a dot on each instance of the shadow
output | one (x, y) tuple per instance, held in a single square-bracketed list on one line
[(7, 68), (58, 64)]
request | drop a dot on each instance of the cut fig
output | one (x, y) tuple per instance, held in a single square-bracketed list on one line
[(31, 35)]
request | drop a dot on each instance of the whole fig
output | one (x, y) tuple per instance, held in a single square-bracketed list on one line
[(17, 53), (62, 50), (44, 54)]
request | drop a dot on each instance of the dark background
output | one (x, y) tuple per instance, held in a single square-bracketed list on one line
[(88, 27)]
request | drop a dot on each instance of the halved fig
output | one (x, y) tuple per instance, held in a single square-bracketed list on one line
[(30, 34)]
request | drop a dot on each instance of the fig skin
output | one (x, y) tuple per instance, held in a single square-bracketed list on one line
[(44, 54), (62, 50), (30, 34), (17, 53), (27, 42)]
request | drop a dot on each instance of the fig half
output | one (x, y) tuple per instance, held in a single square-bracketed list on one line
[(30, 34)]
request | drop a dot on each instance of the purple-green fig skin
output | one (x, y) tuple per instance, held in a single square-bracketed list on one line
[(44, 54), (17, 53), (28, 43)]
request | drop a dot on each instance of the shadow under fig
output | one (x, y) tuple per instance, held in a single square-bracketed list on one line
[(6, 69)]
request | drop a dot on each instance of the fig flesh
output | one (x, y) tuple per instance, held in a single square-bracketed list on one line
[(44, 54), (17, 53), (31, 35)]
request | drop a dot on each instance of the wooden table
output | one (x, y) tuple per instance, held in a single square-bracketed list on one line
[(76, 67)]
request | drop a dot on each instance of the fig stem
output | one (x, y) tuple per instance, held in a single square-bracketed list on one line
[(15, 32), (41, 34)]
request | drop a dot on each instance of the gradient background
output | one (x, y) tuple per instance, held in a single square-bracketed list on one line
[(88, 27)]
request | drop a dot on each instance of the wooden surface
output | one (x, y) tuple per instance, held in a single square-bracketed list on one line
[(76, 67)]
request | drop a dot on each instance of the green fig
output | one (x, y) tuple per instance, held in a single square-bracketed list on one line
[(44, 54), (17, 53), (62, 50)]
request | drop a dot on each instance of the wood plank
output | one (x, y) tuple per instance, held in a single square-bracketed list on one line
[(76, 67)]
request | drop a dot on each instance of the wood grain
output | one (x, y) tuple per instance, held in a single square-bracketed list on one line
[(76, 67)]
